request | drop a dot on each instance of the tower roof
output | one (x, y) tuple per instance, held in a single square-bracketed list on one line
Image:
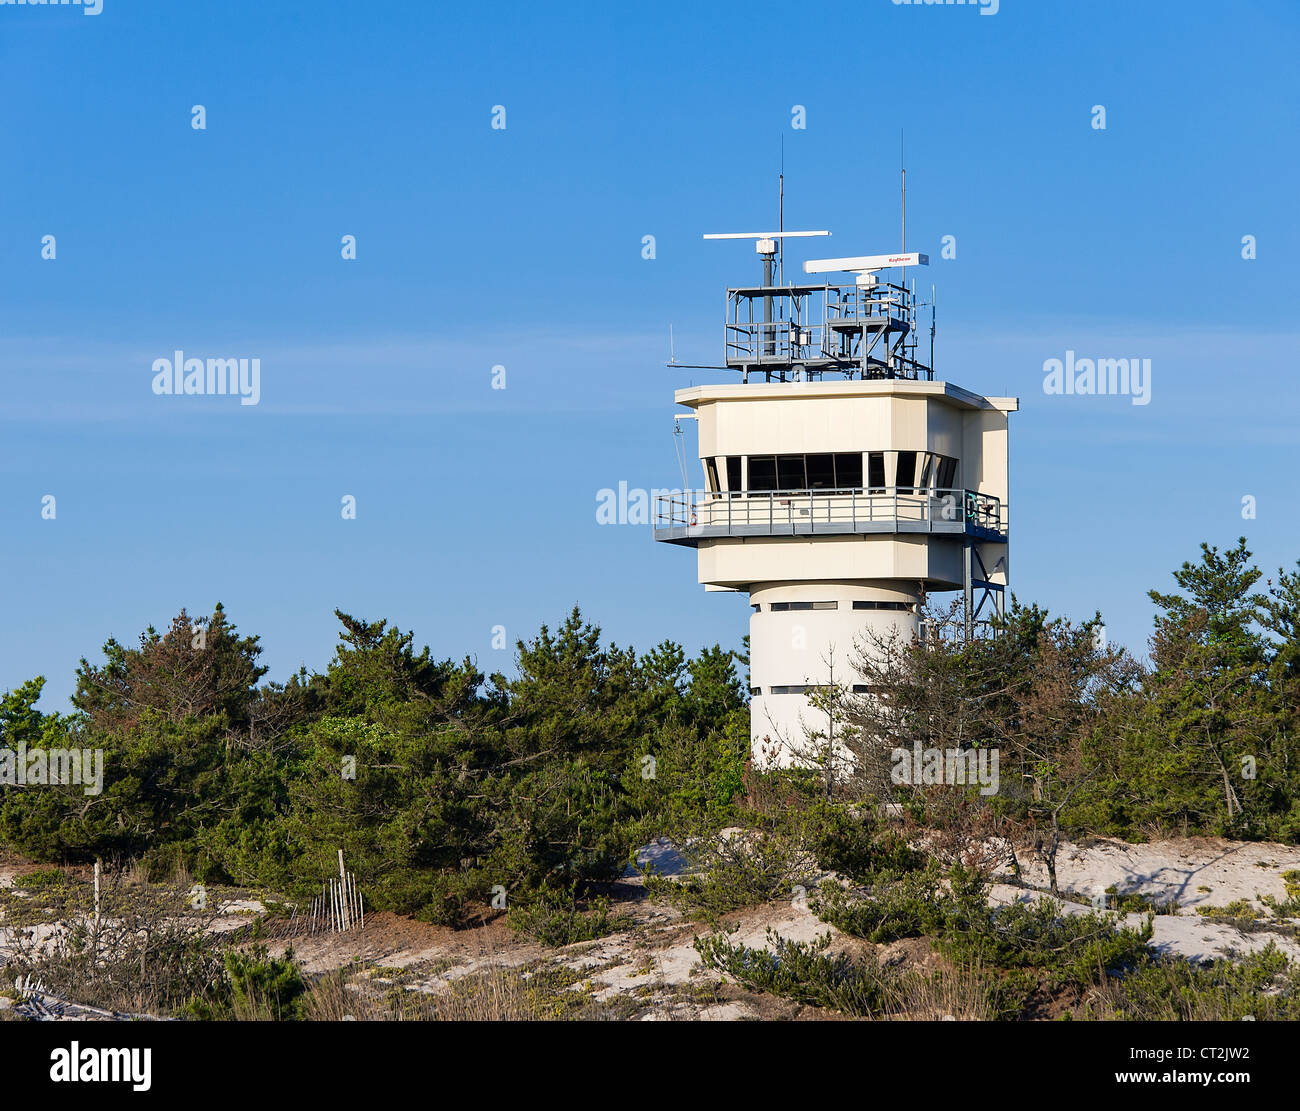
[(692, 396)]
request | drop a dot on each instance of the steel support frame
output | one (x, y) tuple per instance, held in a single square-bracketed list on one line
[(973, 562)]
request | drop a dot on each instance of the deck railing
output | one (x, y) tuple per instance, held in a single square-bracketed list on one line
[(702, 514)]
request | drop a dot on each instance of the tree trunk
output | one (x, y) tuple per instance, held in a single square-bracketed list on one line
[(1049, 857), (1015, 861)]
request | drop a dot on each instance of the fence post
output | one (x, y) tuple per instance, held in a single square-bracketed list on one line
[(95, 942), (343, 883)]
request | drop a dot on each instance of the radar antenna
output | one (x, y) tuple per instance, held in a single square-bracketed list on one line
[(765, 246)]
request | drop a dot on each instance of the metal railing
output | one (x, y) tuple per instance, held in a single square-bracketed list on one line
[(879, 303), (864, 328), (700, 514), (779, 341)]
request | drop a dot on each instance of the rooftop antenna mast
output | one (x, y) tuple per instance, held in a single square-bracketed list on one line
[(780, 206), (765, 245), (902, 168), (934, 304)]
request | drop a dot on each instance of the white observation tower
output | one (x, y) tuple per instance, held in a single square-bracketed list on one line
[(842, 483)]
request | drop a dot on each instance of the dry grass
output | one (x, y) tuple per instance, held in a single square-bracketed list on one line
[(149, 952), (960, 995), (496, 994), (136, 873), (180, 877)]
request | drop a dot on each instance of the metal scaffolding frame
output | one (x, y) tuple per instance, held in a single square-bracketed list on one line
[(988, 591)]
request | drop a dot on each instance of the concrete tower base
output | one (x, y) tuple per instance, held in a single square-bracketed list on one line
[(805, 635)]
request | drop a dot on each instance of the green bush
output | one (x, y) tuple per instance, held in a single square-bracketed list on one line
[(1263, 985), (1062, 949), (255, 986), (556, 918), (41, 878), (859, 845), (746, 869), (1237, 911), (800, 971), (908, 905), (1289, 905), (1131, 902), (1021, 949)]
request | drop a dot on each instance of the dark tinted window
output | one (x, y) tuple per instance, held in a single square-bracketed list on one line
[(947, 473), (848, 471), (790, 473), (762, 472), (733, 472), (712, 469), (821, 471), (906, 470), (876, 470)]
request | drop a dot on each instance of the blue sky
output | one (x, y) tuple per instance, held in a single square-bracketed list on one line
[(522, 247)]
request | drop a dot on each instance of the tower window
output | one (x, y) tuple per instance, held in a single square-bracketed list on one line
[(784, 607), (799, 688), (927, 472), (876, 471), (947, 472), (821, 471), (711, 470), (790, 473), (848, 470), (762, 472), (906, 471), (900, 607)]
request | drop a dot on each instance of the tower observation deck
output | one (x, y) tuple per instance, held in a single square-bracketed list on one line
[(841, 482)]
